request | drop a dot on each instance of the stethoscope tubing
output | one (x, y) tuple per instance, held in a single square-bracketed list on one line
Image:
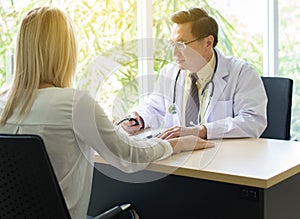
[(203, 90)]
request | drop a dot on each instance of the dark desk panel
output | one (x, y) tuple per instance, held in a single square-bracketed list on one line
[(176, 197)]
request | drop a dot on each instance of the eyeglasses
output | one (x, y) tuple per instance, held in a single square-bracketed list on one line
[(182, 45)]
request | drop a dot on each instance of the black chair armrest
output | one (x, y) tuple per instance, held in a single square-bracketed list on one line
[(116, 211)]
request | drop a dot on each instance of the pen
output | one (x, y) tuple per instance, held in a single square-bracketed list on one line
[(153, 136)]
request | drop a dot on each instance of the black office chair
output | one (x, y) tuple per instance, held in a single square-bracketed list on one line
[(28, 185), (279, 91)]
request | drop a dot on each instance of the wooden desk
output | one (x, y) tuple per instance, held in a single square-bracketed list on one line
[(239, 178)]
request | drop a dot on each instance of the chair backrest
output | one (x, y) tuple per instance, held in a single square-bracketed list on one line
[(279, 91), (28, 185)]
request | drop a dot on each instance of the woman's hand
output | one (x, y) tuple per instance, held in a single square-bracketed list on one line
[(178, 131), (188, 143)]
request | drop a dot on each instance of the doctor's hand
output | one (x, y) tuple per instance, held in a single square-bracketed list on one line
[(179, 131), (189, 143), (131, 127)]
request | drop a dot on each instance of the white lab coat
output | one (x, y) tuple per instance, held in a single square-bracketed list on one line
[(237, 108)]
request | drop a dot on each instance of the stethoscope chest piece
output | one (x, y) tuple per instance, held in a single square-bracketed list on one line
[(172, 109)]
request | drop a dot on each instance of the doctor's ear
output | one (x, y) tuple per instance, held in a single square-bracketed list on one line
[(210, 41)]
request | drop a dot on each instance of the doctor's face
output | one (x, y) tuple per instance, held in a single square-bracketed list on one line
[(190, 53)]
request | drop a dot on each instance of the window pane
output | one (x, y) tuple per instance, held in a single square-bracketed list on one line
[(289, 53)]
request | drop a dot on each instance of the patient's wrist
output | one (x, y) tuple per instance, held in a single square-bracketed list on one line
[(142, 122), (202, 132)]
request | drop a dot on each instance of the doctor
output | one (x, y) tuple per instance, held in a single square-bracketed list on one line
[(203, 93)]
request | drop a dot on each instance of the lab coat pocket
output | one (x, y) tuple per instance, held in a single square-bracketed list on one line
[(221, 110)]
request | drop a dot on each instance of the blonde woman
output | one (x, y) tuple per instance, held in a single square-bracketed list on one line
[(41, 101)]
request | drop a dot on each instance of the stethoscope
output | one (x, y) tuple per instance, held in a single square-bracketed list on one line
[(210, 83)]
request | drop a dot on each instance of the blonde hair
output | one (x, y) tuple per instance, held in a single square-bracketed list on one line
[(46, 52)]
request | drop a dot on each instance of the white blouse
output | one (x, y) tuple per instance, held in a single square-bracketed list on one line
[(72, 126)]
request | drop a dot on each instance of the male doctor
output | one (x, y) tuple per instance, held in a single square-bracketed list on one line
[(205, 93)]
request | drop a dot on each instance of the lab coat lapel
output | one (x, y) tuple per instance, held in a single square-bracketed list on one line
[(180, 92), (219, 83)]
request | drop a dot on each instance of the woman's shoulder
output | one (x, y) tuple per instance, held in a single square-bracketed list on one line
[(62, 95), (62, 92)]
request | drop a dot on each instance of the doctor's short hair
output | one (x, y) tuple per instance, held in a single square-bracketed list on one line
[(203, 25)]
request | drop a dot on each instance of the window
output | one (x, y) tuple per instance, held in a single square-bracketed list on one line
[(104, 28), (289, 53), (111, 30)]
